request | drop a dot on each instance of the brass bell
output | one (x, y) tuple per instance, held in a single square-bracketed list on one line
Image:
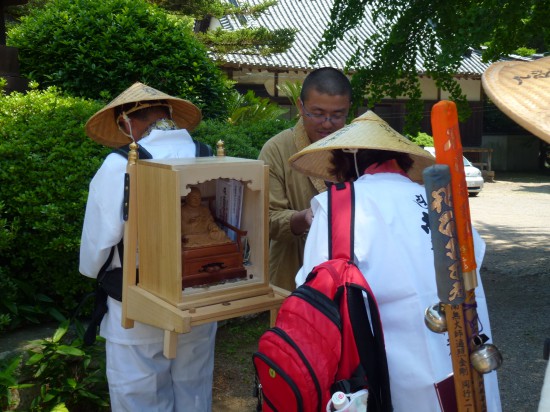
[(485, 357), (434, 318)]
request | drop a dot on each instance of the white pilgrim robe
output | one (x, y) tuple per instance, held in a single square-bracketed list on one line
[(544, 404), (394, 252)]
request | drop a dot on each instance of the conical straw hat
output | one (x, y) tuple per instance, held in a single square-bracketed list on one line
[(521, 90), (103, 128), (368, 131)]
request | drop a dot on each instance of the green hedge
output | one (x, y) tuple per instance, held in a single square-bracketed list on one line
[(8, 288), (243, 140), (46, 163), (422, 139), (94, 49)]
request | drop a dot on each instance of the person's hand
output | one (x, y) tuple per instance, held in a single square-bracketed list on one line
[(300, 222)]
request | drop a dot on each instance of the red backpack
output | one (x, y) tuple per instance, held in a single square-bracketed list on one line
[(324, 339)]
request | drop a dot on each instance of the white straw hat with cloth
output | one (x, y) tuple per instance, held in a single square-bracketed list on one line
[(367, 131), (521, 90), (103, 127)]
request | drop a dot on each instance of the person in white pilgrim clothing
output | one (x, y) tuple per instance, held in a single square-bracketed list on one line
[(544, 404), (140, 377), (392, 249)]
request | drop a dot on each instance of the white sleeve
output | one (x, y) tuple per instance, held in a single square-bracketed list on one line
[(479, 248), (103, 224), (316, 249)]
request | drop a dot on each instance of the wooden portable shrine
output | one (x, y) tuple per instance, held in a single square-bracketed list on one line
[(159, 295)]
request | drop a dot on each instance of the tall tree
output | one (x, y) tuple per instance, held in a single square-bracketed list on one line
[(200, 8), (96, 49), (247, 40), (438, 33)]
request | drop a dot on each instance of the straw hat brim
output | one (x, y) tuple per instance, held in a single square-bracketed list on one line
[(103, 128), (365, 132), (521, 90)]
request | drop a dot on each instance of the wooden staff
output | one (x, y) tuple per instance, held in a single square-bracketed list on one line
[(450, 286), (448, 151)]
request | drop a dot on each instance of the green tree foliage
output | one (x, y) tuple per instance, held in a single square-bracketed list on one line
[(8, 381), (242, 140), (291, 90), (248, 108), (247, 40), (438, 33), (69, 374), (58, 373), (8, 288), (422, 139), (16, 12), (513, 25), (97, 49), (46, 163), (217, 8)]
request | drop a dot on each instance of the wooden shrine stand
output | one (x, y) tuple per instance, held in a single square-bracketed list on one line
[(155, 296)]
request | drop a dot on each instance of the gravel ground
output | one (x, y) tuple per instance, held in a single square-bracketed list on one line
[(513, 216)]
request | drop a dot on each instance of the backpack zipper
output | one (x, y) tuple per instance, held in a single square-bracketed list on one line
[(286, 378), (284, 336)]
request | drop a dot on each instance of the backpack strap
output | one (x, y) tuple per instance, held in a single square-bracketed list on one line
[(202, 149), (341, 215), (100, 303), (367, 328), (366, 324)]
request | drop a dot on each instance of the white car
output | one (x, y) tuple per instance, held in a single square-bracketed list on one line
[(474, 178)]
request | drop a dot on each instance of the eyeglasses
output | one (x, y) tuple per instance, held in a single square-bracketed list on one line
[(321, 118)]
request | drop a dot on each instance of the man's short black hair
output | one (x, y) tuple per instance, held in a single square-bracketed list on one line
[(326, 80)]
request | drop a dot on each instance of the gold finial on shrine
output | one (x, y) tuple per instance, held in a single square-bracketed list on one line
[(220, 148), (133, 154)]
